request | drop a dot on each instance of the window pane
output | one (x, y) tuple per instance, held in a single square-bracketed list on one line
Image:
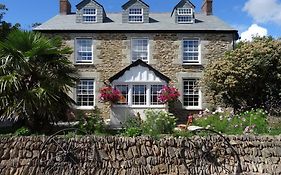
[(84, 51), (191, 51), (89, 18), (185, 19), (135, 18), (184, 11), (139, 94), (135, 11), (124, 91), (89, 15), (191, 92), (155, 92), (89, 11), (140, 49), (135, 15), (85, 93)]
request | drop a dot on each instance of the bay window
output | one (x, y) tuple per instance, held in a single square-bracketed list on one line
[(140, 94)]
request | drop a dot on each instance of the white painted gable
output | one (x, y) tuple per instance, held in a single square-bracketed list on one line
[(139, 74)]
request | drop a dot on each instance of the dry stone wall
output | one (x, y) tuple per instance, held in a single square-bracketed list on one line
[(141, 155)]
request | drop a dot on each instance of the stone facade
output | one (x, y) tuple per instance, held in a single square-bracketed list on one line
[(141, 155), (112, 53)]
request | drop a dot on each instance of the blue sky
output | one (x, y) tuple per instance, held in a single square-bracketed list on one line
[(248, 16)]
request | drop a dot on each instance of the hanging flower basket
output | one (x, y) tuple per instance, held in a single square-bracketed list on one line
[(168, 94), (109, 94)]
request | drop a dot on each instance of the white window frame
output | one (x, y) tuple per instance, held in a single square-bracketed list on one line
[(148, 95), (77, 50), (127, 95), (185, 62), (94, 94), (157, 94), (180, 14), (140, 95), (148, 50), (135, 15), (94, 15), (199, 107)]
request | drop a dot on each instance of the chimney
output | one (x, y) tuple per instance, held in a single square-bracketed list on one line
[(65, 7), (207, 7)]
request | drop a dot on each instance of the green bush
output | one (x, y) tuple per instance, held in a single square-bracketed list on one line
[(23, 131), (253, 121), (247, 77), (158, 122), (91, 122), (132, 127)]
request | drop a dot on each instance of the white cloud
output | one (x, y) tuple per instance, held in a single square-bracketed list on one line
[(253, 31), (263, 11)]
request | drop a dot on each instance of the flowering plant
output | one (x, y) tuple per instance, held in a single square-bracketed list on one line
[(109, 94), (168, 94)]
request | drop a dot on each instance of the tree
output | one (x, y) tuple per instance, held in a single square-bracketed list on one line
[(35, 76), (3, 9), (247, 77), (5, 27)]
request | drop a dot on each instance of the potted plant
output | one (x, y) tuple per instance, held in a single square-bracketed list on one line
[(168, 95), (109, 94)]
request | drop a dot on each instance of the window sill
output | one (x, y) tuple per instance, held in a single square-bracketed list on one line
[(78, 64), (85, 107), (192, 64), (195, 108), (140, 107)]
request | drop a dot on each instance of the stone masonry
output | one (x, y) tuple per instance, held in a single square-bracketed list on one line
[(112, 53), (259, 155)]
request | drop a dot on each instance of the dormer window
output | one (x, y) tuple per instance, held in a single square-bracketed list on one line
[(89, 15), (135, 15), (185, 15)]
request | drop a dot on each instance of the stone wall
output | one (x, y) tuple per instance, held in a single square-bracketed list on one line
[(142, 155)]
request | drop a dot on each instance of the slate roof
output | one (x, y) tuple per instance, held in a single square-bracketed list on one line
[(136, 63), (84, 2), (158, 22), (131, 2)]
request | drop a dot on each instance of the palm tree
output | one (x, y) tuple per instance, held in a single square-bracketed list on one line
[(35, 76)]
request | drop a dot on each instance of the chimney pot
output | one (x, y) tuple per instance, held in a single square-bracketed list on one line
[(207, 7), (65, 7)]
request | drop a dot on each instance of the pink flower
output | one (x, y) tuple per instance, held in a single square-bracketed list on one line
[(168, 94), (109, 94)]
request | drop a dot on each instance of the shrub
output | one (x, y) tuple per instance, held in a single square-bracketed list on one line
[(247, 77), (253, 121), (132, 127), (91, 122), (158, 122), (23, 131)]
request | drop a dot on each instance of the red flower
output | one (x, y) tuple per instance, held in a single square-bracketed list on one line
[(109, 94), (168, 94)]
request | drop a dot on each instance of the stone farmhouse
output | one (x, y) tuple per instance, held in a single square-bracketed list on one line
[(138, 51)]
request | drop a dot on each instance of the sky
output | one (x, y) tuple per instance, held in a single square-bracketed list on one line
[(249, 17)]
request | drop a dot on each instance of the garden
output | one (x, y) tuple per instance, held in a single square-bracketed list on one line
[(35, 76)]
